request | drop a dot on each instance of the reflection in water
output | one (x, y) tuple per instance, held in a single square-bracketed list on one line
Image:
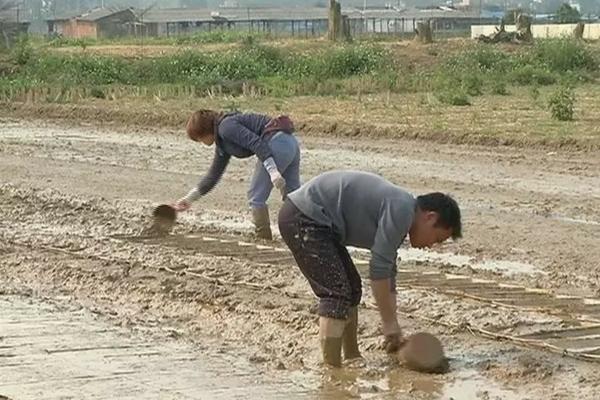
[(369, 381)]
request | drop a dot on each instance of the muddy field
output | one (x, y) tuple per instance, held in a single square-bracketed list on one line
[(72, 200)]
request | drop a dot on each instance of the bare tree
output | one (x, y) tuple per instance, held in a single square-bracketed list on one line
[(143, 32), (6, 6)]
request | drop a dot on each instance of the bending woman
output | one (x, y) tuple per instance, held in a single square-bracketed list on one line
[(243, 135)]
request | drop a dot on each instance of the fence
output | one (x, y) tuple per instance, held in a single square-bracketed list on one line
[(310, 28)]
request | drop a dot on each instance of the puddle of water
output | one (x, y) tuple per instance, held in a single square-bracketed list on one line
[(470, 385), (576, 220), (403, 384), (508, 268)]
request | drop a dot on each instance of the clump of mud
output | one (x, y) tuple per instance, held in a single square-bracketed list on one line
[(423, 352), (164, 217)]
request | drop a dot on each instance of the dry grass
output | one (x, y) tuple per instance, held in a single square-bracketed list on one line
[(411, 52), (506, 120)]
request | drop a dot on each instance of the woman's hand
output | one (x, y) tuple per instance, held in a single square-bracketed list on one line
[(181, 205), (279, 182)]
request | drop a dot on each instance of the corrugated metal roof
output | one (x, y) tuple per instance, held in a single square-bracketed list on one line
[(157, 15), (234, 14), (12, 15), (245, 14), (93, 15), (409, 13)]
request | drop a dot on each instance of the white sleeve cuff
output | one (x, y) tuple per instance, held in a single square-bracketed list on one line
[(192, 195), (270, 166)]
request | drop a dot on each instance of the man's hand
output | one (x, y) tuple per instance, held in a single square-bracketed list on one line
[(386, 302), (181, 205), (394, 342), (394, 339)]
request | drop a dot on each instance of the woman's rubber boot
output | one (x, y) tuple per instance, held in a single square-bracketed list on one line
[(262, 223), (350, 337)]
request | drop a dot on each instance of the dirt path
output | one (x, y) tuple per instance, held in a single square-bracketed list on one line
[(531, 217)]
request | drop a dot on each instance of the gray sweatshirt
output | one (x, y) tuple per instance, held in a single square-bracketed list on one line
[(364, 210)]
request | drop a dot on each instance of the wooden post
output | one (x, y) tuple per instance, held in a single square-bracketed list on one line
[(334, 20), (423, 31), (338, 27), (346, 28), (578, 31)]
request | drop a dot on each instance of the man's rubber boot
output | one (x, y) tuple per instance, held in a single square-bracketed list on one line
[(331, 349), (262, 223), (330, 334), (350, 337)]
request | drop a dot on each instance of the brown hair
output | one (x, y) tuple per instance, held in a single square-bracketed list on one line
[(202, 123)]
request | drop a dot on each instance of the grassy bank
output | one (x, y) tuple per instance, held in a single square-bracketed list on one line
[(473, 92), (491, 120), (334, 70)]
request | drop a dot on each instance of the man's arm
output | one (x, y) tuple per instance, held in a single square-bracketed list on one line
[(386, 302), (393, 225)]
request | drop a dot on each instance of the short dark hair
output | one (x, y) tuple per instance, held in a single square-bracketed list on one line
[(447, 209)]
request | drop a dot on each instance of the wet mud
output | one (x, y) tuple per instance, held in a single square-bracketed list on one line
[(74, 202)]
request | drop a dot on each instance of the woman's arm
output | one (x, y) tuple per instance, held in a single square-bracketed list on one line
[(208, 182)]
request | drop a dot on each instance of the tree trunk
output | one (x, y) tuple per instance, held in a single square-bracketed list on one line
[(578, 31), (5, 37), (346, 28), (524, 28), (335, 20), (424, 32), (339, 26)]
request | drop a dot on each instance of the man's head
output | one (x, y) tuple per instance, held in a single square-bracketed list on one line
[(437, 218), (201, 126)]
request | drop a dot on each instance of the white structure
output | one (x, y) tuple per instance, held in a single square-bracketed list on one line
[(591, 31), (575, 4)]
